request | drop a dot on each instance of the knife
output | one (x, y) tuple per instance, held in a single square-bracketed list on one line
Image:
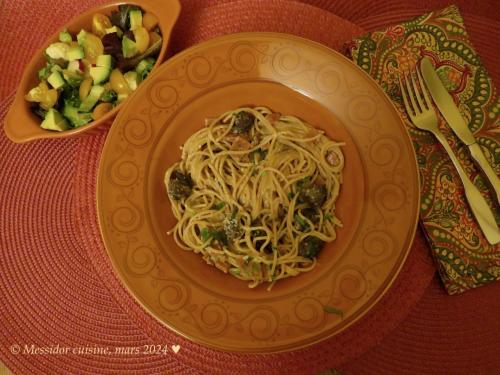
[(452, 115)]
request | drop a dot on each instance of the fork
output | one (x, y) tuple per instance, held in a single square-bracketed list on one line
[(423, 116)]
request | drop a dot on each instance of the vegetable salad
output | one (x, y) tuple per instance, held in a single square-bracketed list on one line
[(88, 74)]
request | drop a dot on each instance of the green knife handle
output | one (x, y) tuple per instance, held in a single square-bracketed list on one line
[(477, 154)]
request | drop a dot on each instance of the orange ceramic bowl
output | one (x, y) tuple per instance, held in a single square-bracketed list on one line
[(21, 125)]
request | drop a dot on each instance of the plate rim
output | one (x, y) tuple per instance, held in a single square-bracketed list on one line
[(405, 248)]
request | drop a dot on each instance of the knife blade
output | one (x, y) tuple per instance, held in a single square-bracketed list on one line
[(453, 117)]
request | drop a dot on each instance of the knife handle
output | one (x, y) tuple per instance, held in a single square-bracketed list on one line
[(479, 207), (477, 154)]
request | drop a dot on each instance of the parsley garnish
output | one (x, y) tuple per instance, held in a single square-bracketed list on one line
[(332, 310)]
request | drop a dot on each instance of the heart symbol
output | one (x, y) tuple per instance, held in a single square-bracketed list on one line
[(176, 348)]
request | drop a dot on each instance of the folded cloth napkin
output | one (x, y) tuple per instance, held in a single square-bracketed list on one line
[(465, 259)]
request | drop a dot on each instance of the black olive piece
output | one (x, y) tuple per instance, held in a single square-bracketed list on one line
[(268, 249), (129, 34), (314, 195), (180, 185), (243, 122), (310, 247), (39, 111), (311, 214), (112, 44)]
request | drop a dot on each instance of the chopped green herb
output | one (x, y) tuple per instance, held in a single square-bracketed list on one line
[(302, 183), (65, 37), (302, 223), (256, 268), (258, 155), (144, 67), (235, 271), (328, 217), (70, 96), (219, 206), (73, 79), (109, 96), (45, 72), (332, 310), (220, 236), (207, 235)]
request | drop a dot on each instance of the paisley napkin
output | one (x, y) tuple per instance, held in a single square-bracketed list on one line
[(464, 258)]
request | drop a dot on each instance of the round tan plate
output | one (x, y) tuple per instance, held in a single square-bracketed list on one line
[(378, 202)]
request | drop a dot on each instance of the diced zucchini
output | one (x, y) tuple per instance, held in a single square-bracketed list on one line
[(121, 98), (108, 96), (92, 98), (56, 80), (105, 61), (129, 48), (54, 121), (75, 53), (116, 30), (135, 19), (81, 36), (44, 72), (56, 68), (101, 72), (144, 67), (65, 37), (132, 79), (73, 78), (76, 118)]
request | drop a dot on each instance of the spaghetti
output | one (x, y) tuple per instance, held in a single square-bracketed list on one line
[(254, 194)]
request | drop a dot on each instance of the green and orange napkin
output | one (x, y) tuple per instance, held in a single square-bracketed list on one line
[(465, 259)]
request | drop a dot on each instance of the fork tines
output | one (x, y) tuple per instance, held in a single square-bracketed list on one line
[(419, 100)]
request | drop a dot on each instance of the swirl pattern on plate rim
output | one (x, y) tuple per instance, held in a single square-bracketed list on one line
[(350, 287)]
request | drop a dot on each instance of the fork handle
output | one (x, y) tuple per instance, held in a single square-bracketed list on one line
[(478, 205), (477, 154)]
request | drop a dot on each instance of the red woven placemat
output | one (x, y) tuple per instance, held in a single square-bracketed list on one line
[(442, 335), (59, 287), (56, 286)]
